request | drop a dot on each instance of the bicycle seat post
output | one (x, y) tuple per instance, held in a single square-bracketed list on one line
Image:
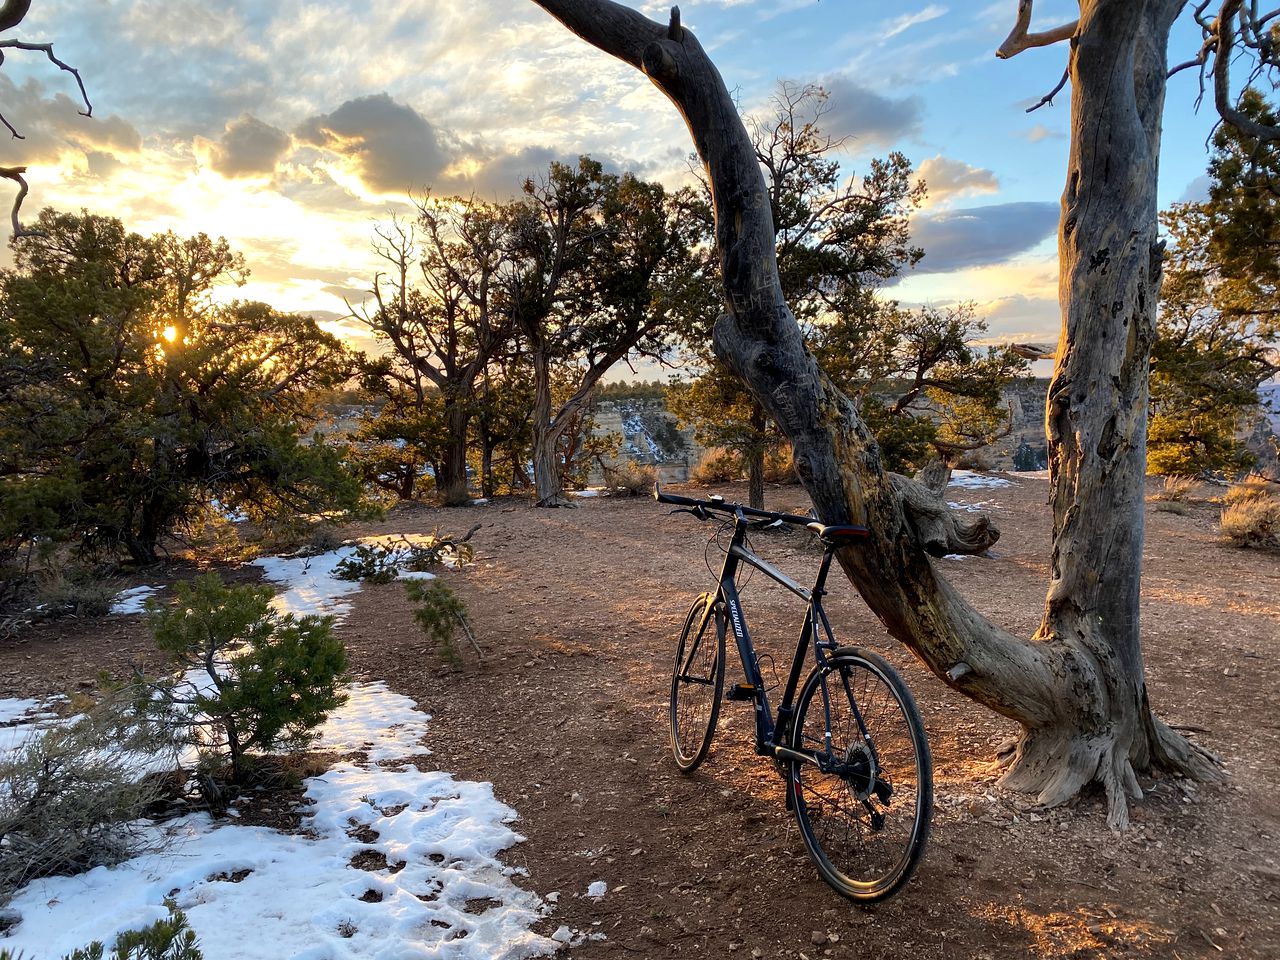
[(820, 584)]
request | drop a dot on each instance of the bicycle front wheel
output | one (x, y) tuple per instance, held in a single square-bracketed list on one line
[(865, 820), (697, 682)]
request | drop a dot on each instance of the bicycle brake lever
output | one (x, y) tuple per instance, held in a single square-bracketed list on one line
[(697, 512)]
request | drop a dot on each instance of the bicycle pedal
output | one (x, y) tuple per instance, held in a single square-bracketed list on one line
[(742, 692)]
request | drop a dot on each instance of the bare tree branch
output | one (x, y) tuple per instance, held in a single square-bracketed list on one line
[(1224, 38), (47, 50), (1020, 39), (16, 175), (12, 13), (1047, 99)]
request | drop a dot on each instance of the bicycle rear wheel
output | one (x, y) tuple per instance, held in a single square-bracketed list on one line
[(865, 822), (697, 681)]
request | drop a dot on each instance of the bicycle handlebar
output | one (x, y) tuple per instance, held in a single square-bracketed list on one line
[(720, 505)]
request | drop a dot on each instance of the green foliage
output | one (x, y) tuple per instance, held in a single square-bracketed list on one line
[(1027, 458), (170, 939), (382, 562), (632, 390), (440, 612), (907, 441), (723, 415), (1219, 325), (129, 397), (272, 678)]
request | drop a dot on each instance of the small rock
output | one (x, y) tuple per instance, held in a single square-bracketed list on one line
[(818, 938)]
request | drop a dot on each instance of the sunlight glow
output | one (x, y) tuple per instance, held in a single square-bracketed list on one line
[(170, 333)]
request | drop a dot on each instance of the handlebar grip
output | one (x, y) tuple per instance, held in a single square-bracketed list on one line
[(672, 498)]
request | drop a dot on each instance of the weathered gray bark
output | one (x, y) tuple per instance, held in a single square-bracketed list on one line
[(1077, 687), (548, 488)]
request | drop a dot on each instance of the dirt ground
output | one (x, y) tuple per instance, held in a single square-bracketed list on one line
[(577, 612)]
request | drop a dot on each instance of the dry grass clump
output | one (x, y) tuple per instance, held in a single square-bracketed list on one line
[(780, 466), (1251, 515), (717, 466), (630, 479), (71, 796), (1174, 490), (1248, 490)]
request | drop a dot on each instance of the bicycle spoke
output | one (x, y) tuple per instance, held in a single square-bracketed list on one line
[(865, 846)]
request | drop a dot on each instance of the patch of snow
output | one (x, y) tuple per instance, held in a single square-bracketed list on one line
[(227, 513), (22, 719), (302, 898), (589, 492), (14, 711), (597, 889), (957, 556), (310, 584), (132, 600), (1033, 474), (967, 479), (979, 507), (480, 501)]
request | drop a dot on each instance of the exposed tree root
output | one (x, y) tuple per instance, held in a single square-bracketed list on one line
[(1057, 764), (557, 500), (941, 530)]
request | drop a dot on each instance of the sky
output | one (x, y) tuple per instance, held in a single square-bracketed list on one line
[(294, 127)]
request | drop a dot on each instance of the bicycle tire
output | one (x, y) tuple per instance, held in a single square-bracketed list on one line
[(697, 672), (892, 778)]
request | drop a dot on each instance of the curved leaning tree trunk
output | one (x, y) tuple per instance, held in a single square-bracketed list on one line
[(1077, 687)]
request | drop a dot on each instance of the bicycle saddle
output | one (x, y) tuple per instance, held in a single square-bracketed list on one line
[(838, 533)]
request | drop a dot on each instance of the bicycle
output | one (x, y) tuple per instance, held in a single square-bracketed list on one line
[(853, 752)]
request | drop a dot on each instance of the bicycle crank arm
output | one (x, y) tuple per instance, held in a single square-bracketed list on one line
[(800, 756)]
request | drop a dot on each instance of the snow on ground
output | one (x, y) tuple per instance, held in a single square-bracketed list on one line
[(132, 600), (253, 893), (589, 492), (22, 719), (981, 506), (310, 586), (967, 479)]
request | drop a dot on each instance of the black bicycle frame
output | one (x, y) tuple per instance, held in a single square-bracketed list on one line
[(771, 732)]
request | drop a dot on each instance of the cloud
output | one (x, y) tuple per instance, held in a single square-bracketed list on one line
[(53, 126), (1019, 318), (978, 236), (501, 175), (1039, 132), (947, 179), (247, 148), (908, 20), (388, 145), (866, 116)]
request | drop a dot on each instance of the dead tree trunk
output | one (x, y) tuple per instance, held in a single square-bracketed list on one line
[(451, 482), (1077, 687)]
